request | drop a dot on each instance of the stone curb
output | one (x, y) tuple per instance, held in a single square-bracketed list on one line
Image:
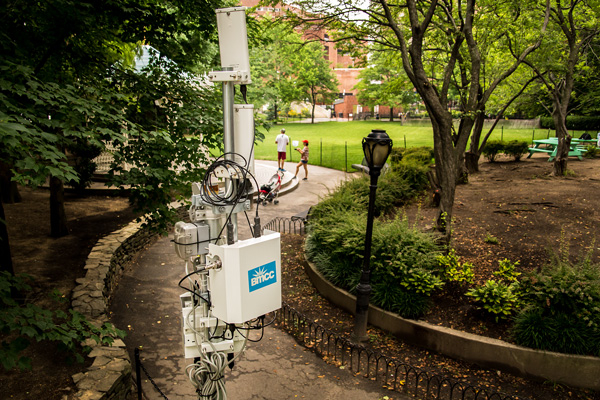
[(109, 376), (568, 369)]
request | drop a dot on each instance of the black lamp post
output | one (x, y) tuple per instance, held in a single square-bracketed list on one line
[(377, 146)]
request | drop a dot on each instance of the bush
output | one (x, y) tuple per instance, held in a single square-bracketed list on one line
[(496, 298), (563, 309), (492, 148), (574, 122), (395, 188), (514, 148), (422, 155), (402, 262), (457, 275), (23, 321), (591, 151)]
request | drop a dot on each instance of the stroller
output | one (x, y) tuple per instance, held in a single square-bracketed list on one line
[(269, 192)]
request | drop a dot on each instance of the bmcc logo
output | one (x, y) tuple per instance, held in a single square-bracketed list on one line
[(262, 276)]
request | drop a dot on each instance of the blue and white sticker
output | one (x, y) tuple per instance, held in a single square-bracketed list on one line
[(262, 276)]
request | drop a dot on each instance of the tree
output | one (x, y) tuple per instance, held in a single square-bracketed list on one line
[(312, 75), (66, 72), (384, 82), (574, 27), (437, 44), (272, 44)]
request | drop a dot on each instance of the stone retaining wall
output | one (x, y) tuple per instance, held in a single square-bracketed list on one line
[(109, 376), (572, 370)]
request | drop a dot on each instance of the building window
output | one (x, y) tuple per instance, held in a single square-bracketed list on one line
[(326, 37)]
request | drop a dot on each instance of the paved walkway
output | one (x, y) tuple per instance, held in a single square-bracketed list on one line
[(146, 304)]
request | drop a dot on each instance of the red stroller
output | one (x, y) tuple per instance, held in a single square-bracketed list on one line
[(269, 192)]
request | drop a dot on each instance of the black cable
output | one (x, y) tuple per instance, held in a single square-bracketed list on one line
[(244, 90), (192, 291)]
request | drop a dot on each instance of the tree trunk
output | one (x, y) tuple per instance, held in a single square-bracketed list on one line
[(5, 255), (391, 114), (472, 162), (8, 188), (474, 153), (564, 142), (314, 103), (446, 173), (58, 216)]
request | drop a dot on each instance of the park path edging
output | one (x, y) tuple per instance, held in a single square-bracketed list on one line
[(109, 376), (568, 369)]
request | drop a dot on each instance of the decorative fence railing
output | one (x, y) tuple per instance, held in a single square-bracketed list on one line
[(393, 374), (286, 225)]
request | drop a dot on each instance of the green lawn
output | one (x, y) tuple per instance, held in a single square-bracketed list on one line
[(338, 144)]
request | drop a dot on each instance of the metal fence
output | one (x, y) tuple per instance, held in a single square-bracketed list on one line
[(292, 225), (391, 373)]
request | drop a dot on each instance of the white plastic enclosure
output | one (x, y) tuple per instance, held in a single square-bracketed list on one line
[(249, 283)]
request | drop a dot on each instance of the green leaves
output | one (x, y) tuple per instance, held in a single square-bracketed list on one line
[(22, 322)]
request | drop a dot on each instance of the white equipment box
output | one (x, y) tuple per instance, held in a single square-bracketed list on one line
[(248, 284)]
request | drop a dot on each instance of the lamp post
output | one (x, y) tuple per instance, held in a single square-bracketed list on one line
[(377, 146)]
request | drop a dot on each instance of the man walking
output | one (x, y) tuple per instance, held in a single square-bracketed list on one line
[(282, 141)]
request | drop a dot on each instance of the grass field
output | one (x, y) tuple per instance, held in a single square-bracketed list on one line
[(338, 144)]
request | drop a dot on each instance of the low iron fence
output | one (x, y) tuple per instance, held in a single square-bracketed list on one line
[(391, 373)]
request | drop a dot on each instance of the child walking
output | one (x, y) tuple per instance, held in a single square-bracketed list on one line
[(303, 160)]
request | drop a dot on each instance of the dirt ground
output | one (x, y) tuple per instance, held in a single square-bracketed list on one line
[(55, 264), (517, 203)]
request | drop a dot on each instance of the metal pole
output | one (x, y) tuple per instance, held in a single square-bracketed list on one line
[(138, 371), (321, 153), (345, 156), (363, 289), (228, 135)]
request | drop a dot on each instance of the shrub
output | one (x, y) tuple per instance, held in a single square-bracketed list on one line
[(395, 188), (422, 155), (496, 298), (24, 321), (507, 271), (563, 309), (456, 274), (402, 259), (516, 149), (591, 151), (491, 149), (575, 122)]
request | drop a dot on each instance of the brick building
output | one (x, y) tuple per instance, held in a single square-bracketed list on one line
[(346, 105)]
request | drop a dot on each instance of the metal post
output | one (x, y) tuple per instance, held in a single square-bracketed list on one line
[(138, 373), (363, 290), (228, 134), (345, 156), (502, 134)]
